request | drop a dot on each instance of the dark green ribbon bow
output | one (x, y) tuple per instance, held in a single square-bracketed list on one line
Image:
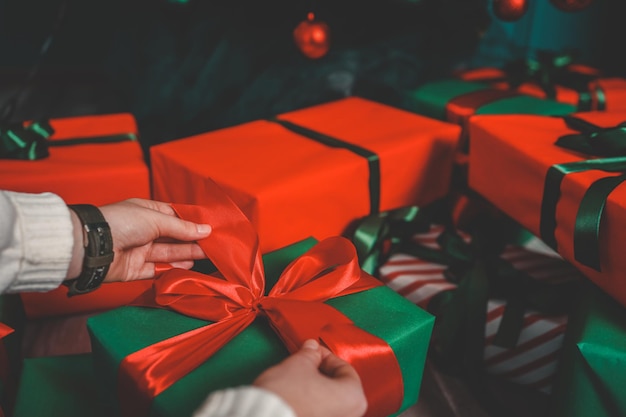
[(594, 140), (25, 142), (548, 70), (30, 141), (375, 235), (610, 144)]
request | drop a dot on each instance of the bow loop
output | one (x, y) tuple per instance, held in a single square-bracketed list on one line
[(594, 140), (376, 235), (239, 259), (324, 272)]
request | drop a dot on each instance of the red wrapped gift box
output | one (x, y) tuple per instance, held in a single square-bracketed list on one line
[(512, 158), (291, 186), (92, 173)]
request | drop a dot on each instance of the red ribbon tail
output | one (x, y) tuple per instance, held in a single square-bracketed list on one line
[(375, 363), (148, 372)]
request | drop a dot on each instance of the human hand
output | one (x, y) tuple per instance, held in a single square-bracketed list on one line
[(316, 383), (147, 232)]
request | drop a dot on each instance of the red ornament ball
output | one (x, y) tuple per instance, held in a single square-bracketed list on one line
[(509, 10), (571, 5), (312, 37)]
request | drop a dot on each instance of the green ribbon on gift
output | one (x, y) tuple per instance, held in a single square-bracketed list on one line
[(595, 141), (25, 142), (376, 233), (548, 70), (373, 160), (30, 141), (94, 140)]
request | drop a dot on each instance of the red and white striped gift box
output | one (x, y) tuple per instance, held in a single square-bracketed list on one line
[(533, 360)]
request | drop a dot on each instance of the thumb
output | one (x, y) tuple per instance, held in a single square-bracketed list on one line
[(173, 227), (309, 352)]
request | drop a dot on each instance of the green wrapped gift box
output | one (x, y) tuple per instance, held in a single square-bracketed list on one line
[(57, 386), (380, 311), (592, 375)]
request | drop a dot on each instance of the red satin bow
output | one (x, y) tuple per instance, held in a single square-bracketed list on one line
[(294, 308)]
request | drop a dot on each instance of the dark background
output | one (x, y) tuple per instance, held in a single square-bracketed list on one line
[(188, 67)]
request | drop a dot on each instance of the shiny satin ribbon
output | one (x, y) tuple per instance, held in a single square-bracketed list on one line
[(25, 142), (603, 141), (234, 298), (375, 234), (373, 160)]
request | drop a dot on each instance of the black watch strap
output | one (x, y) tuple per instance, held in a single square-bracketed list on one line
[(98, 250)]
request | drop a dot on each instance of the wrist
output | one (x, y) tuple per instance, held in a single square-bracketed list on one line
[(97, 249), (78, 250)]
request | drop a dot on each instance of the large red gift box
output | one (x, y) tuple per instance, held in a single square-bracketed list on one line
[(87, 172), (514, 163), (293, 183)]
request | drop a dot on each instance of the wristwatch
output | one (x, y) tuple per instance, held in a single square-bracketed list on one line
[(98, 250)]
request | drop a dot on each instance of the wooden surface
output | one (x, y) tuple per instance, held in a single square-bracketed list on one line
[(441, 395)]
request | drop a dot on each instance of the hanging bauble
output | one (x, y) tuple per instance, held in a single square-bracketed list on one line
[(312, 37), (571, 5), (509, 10)]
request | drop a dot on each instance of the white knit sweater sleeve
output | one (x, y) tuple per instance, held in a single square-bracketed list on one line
[(36, 241), (245, 401)]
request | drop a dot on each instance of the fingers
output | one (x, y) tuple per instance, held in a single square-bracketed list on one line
[(183, 230), (309, 353), (175, 252), (336, 368), (159, 206)]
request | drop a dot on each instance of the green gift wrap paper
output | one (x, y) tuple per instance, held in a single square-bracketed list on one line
[(120, 332), (58, 386), (592, 374)]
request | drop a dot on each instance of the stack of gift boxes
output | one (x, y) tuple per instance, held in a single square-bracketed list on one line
[(481, 208)]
